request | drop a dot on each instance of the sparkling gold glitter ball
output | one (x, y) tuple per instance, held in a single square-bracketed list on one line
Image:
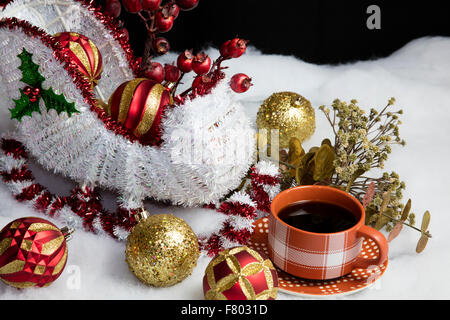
[(162, 250), (288, 112)]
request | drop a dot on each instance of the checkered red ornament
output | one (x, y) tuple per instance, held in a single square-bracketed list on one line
[(33, 252), (240, 273)]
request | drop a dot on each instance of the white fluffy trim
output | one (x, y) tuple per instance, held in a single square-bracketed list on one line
[(267, 168)]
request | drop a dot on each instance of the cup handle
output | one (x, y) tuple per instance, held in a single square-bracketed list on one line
[(382, 244)]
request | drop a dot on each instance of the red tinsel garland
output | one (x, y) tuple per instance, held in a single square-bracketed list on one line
[(238, 209), (259, 194), (86, 203)]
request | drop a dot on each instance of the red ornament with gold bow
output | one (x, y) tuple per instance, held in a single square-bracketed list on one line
[(33, 252), (83, 53), (139, 105), (240, 273)]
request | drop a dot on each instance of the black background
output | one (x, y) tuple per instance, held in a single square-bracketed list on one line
[(315, 31)]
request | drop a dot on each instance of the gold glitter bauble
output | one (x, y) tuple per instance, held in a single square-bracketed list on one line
[(162, 250), (288, 112)]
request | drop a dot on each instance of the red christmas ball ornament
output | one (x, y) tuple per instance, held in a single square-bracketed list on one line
[(236, 47), (113, 8), (187, 4), (132, 6), (139, 105), (240, 82), (201, 63), (172, 73), (151, 5), (83, 53), (161, 46), (155, 71), (240, 273), (184, 61), (33, 252), (163, 20)]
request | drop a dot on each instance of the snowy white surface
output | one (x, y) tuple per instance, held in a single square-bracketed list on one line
[(418, 75)]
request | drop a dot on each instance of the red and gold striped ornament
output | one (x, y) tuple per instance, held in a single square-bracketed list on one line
[(139, 105), (240, 273), (84, 53), (33, 252)]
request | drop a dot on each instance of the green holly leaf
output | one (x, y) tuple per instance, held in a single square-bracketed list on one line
[(30, 70), (57, 102), (23, 107), (32, 77)]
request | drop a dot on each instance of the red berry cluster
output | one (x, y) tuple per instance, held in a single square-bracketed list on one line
[(207, 77), (207, 74), (157, 16), (32, 93)]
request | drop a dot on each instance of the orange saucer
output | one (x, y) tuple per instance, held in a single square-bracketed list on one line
[(353, 282)]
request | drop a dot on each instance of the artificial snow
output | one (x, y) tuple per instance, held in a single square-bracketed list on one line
[(418, 76)]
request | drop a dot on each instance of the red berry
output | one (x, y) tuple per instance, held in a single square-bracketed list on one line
[(113, 8), (132, 6), (184, 61), (240, 83), (27, 90), (161, 45), (172, 73), (224, 49), (187, 4), (201, 80), (164, 21), (197, 82), (151, 5), (236, 47), (155, 71), (201, 63), (36, 91), (172, 9)]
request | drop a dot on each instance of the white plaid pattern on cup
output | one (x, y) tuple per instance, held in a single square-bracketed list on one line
[(331, 260)]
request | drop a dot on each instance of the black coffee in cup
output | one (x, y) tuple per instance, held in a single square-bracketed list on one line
[(318, 217)]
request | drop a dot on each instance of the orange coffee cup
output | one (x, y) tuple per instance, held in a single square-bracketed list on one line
[(320, 256)]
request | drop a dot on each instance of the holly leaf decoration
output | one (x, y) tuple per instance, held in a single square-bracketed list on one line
[(32, 77), (57, 102), (30, 70), (23, 107)]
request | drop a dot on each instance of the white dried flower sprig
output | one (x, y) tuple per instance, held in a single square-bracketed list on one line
[(361, 142)]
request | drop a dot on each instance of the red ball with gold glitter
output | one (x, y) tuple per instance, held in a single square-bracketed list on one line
[(139, 105), (33, 252), (240, 273), (83, 53)]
